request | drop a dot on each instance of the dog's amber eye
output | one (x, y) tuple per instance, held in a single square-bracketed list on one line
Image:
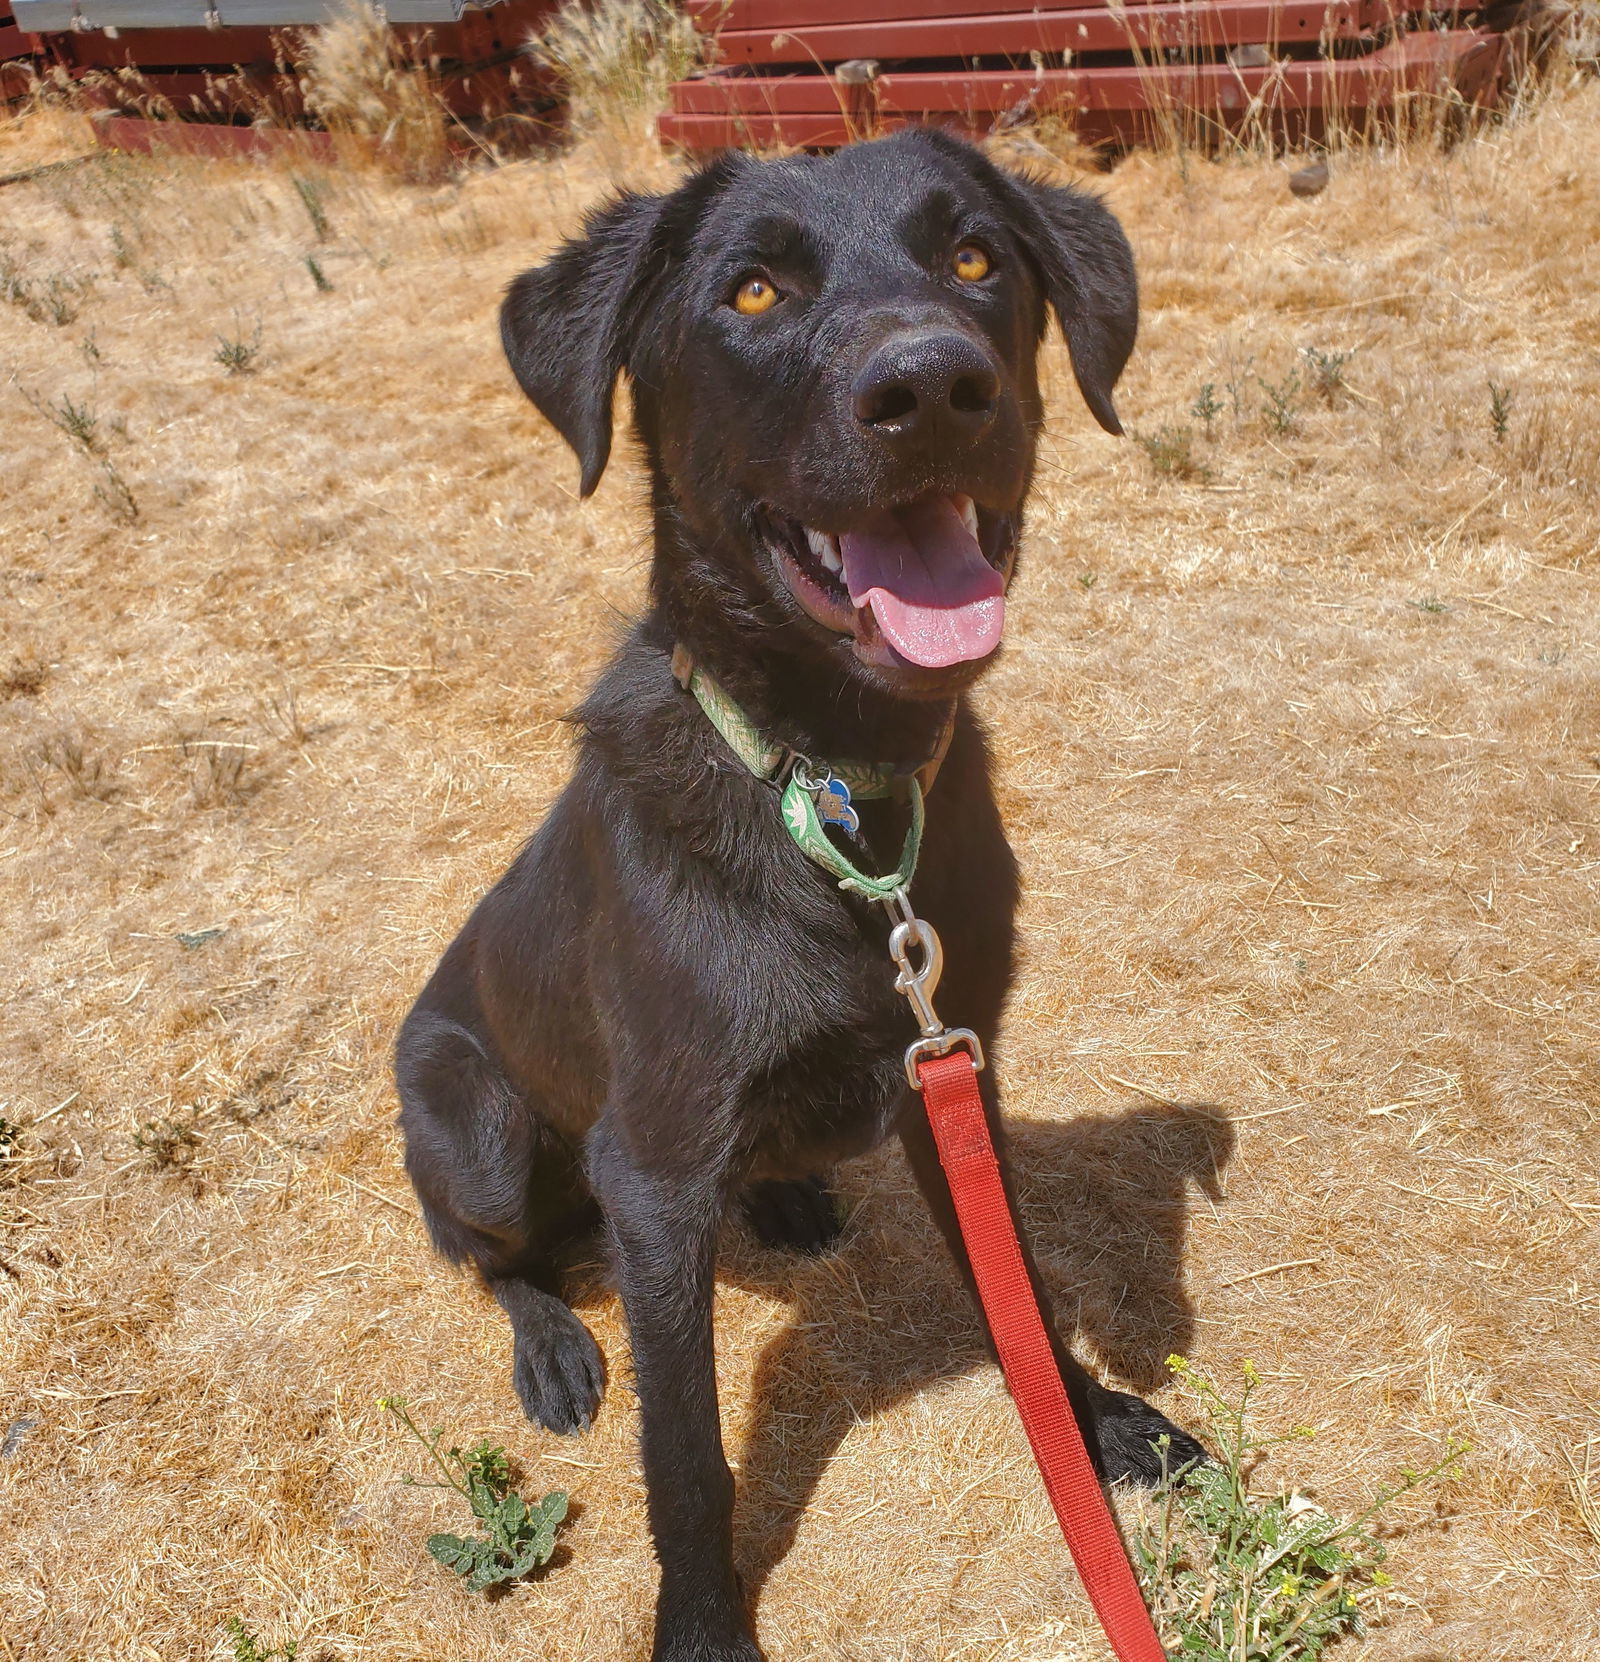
[(756, 295), (970, 263)]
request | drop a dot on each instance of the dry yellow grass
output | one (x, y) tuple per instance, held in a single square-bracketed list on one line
[(358, 84), (1300, 762)]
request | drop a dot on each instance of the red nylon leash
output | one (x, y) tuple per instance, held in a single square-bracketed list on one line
[(946, 1074), (955, 1111)]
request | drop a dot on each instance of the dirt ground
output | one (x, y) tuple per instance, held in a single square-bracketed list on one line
[(1300, 755)]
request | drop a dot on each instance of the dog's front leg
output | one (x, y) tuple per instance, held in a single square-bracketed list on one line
[(663, 1215)]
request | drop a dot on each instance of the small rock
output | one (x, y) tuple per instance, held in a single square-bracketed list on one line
[(1310, 181), (857, 72), (15, 1433)]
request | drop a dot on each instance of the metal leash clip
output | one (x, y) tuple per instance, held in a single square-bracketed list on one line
[(918, 983)]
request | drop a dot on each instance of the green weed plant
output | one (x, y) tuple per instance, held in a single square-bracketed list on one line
[(248, 1648), (517, 1537), (1231, 1578), (1171, 452), (239, 356), (1500, 401), (1207, 406), (1282, 407)]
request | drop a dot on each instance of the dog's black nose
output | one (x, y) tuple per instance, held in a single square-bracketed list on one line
[(928, 384)]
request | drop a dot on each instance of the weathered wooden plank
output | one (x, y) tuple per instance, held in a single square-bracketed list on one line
[(713, 15), (1423, 59), (278, 13), (37, 16), (1218, 23), (147, 14), (731, 132), (196, 138), (176, 48), (425, 11), (44, 16)]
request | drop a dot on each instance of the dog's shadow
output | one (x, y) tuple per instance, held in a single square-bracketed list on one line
[(1105, 1202)]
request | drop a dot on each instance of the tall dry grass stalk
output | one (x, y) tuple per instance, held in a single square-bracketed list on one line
[(1581, 26), (357, 82), (42, 117), (1555, 42), (615, 60)]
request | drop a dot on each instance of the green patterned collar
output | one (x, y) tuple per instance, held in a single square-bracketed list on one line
[(834, 784)]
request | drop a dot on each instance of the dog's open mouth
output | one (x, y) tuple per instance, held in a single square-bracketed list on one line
[(910, 583)]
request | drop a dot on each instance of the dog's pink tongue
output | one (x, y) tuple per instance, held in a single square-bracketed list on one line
[(936, 599)]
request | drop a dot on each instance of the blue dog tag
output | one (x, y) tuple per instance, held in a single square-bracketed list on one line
[(832, 798)]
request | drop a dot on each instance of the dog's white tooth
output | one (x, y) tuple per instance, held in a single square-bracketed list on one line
[(826, 549), (969, 514)]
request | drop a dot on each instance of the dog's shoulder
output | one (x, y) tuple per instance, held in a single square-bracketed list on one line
[(663, 782)]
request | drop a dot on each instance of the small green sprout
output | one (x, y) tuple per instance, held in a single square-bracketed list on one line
[(1327, 372), (1500, 402), (248, 1648), (170, 1145), (1282, 405), (1207, 406), (239, 356), (76, 421), (519, 1537), (1171, 452), (310, 193)]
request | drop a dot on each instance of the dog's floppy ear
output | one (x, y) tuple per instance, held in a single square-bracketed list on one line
[(565, 325), (1087, 267)]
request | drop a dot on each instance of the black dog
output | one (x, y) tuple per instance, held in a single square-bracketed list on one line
[(664, 1009)]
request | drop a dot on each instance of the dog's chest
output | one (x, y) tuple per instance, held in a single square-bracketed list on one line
[(830, 1036)]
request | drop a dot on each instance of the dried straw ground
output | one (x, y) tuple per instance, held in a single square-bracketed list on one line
[(1300, 760)]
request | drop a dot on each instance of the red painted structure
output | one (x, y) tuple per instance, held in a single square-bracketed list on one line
[(16, 50), (1120, 73), (235, 73)]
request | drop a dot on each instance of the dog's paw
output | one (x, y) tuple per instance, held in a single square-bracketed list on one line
[(1126, 1441), (559, 1374), (792, 1216)]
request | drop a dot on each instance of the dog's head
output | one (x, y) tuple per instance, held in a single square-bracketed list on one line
[(832, 362)]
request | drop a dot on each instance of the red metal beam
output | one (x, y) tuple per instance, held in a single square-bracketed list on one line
[(714, 15), (198, 138), (173, 48), (472, 40), (1125, 100), (189, 92), (754, 132), (478, 39), (778, 15), (1214, 23)]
